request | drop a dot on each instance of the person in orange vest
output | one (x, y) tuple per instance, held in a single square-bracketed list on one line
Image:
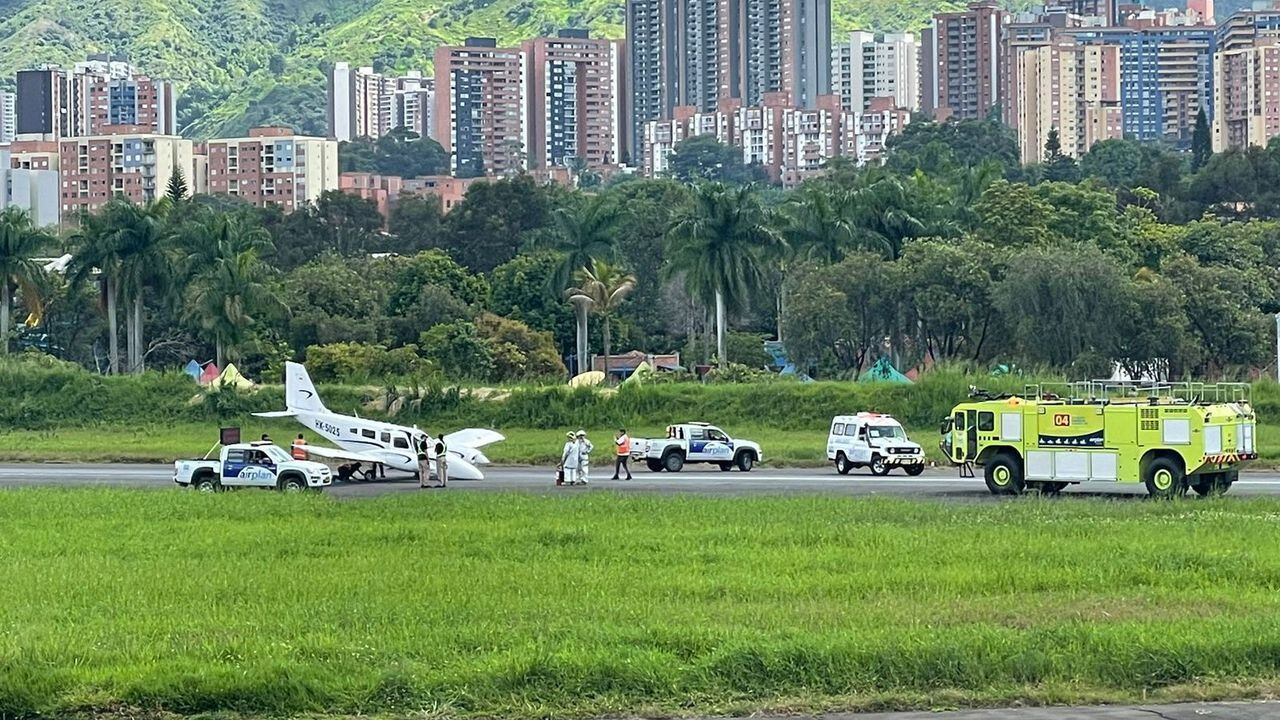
[(299, 448), (623, 441)]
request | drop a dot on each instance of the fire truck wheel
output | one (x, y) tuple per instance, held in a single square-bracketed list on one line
[(1003, 474), (1164, 479)]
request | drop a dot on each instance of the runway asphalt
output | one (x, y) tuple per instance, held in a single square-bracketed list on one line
[(1183, 711), (940, 483)]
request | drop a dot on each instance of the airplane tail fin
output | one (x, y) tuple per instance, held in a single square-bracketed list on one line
[(299, 393)]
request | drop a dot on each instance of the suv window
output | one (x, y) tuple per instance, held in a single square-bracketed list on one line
[(697, 434), (986, 422), (235, 456), (837, 429), (717, 435)]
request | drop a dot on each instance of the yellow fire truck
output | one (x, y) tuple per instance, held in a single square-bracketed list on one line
[(1168, 436)]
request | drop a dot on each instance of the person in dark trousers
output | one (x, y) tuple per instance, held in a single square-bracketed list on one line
[(623, 441)]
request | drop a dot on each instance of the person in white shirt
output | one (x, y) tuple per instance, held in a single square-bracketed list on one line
[(584, 456), (569, 458)]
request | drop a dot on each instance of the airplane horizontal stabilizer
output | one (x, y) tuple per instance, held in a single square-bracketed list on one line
[(276, 414)]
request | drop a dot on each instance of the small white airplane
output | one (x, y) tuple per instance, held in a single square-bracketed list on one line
[(370, 441)]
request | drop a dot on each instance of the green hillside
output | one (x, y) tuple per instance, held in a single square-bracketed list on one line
[(246, 62)]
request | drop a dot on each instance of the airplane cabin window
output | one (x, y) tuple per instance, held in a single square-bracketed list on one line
[(368, 433), (386, 437), (401, 443)]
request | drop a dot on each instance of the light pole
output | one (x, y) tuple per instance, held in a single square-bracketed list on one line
[(1278, 346)]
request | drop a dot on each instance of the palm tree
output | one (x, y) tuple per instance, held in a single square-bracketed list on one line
[(144, 263), (882, 216), (227, 298), (585, 234), (20, 240), (97, 247), (718, 245), (817, 225), (602, 290)]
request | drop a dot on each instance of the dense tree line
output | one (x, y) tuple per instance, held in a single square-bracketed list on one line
[(950, 253)]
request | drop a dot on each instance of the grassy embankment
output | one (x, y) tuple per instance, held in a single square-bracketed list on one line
[(535, 606), (59, 413)]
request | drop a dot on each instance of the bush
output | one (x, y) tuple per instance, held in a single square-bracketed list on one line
[(360, 362)]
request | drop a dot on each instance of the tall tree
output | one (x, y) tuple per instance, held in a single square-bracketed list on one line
[(20, 240), (603, 288), (718, 245), (584, 235), (230, 294), (144, 239), (884, 216), (97, 247), (817, 225), (176, 191), (1201, 143), (1058, 167)]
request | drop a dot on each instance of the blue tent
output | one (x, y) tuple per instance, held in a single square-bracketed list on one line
[(778, 352), (193, 369)]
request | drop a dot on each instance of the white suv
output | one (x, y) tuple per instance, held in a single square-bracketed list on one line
[(872, 440)]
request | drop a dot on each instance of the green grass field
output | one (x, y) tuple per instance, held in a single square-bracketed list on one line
[(526, 606), (782, 448)]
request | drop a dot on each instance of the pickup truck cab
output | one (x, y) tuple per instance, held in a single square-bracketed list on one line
[(872, 440), (696, 442), (258, 464)]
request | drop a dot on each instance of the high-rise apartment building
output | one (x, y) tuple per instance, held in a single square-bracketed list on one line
[(713, 54), (129, 162), (573, 91), (1074, 89), (1166, 74), (870, 66), (481, 107), (8, 116), (1247, 80), (40, 112), (103, 92), (364, 103), (962, 59), (273, 166)]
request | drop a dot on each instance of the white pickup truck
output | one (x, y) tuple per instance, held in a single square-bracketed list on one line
[(695, 443), (258, 464)]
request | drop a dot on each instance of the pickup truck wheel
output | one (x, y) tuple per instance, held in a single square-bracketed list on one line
[(914, 470), (879, 466), (726, 467), (673, 462), (843, 466), (746, 460), (654, 465), (292, 484), (206, 484)]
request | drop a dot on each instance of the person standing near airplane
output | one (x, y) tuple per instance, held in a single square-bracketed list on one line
[(442, 462), (584, 456), (569, 459), (299, 448), (623, 441)]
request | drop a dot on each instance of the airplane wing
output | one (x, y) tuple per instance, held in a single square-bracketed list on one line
[(473, 438), (460, 469), (336, 454), (276, 414)]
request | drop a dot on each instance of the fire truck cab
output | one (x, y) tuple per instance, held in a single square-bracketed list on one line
[(1168, 436)]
